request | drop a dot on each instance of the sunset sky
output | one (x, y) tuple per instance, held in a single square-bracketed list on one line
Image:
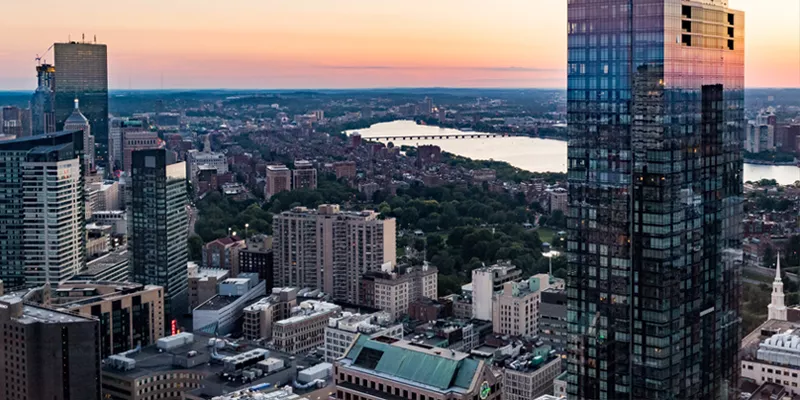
[(342, 43)]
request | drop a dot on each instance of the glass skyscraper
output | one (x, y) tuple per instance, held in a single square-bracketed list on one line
[(82, 73), (158, 227), (656, 121)]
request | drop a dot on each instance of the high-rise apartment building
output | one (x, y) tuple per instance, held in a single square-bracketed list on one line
[(47, 354), (53, 207), (158, 228), (656, 122), (304, 175), (279, 179), (43, 112), (82, 73), (41, 230), (329, 249)]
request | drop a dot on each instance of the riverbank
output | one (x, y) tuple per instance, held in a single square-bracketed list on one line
[(527, 153)]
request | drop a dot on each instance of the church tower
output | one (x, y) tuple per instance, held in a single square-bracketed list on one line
[(777, 308)]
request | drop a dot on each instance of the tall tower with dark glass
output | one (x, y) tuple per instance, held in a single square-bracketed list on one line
[(656, 121), (82, 73), (158, 227)]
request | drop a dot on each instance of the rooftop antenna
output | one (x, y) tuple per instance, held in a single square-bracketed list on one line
[(83, 38), (95, 39)]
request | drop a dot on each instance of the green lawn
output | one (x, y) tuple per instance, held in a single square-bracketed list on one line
[(546, 234)]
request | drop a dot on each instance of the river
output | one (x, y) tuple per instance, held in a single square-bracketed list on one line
[(531, 154)]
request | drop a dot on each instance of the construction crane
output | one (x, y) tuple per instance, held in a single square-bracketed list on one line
[(39, 58)]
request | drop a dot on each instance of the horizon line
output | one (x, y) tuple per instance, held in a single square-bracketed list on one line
[(363, 88)]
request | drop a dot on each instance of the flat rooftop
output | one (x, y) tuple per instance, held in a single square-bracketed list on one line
[(765, 330), (317, 308), (205, 273), (217, 303), (34, 314), (109, 260)]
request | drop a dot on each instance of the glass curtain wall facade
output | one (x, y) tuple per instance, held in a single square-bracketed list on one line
[(159, 227), (656, 122), (82, 73)]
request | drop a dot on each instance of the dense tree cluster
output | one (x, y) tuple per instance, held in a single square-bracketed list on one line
[(217, 213), (465, 228)]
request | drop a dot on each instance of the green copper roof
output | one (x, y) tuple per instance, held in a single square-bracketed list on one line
[(426, 369)]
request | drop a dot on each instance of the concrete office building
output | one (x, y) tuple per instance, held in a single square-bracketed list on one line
[(260, 316), (118, 220), (135, 141), (195, 159), (342, 331), (451, 333), (486, 281), (47, 354), (655, 107), (394, 289), (255, 392), (158, 228), (108, 197), (257, 257), (305, 329), (111, 267), (553, 319), (203, 283), (11, 122), (769, 355), (515, 309), (383, 368), (330, 250), (182, 363), (220, 313), (82, 73), (279, 179), (23, 203), (130, 314), (118, 128), (530, 375), (304, 175)]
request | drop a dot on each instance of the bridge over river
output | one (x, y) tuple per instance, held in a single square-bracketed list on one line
[(462, 135)]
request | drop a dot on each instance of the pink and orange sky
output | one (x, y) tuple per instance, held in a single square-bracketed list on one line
[(342, 43)]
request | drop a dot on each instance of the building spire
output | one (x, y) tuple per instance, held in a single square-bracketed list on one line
[(777, 307), (77, 107)]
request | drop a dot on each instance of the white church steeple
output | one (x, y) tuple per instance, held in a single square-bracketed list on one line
[(777, 307)]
